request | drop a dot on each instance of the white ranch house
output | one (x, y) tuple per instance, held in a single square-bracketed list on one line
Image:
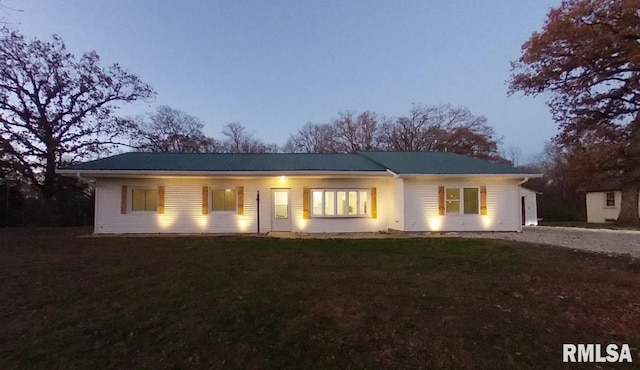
[(305, 193)]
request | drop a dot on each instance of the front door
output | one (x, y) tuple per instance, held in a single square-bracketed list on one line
[(281, 212)]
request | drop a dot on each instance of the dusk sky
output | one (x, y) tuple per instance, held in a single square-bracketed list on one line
[(275, 65)]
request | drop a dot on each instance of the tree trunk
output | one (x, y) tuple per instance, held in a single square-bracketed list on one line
[(49, 187), (631, 178), (629, 206)]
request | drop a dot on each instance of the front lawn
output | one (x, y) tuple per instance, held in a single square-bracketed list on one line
[(243, 302)]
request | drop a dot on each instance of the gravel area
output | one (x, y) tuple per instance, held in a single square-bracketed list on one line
[(595, 240)]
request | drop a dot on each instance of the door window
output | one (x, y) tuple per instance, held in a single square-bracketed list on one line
[(281, 204)]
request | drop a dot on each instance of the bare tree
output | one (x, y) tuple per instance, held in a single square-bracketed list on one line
[(311, 138), (351, 134), (7, 11), (172, 130), (410, 133), (239, 140), (513, 154), (441, 128), (55, 108)]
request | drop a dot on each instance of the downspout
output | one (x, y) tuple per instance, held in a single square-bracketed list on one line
[(258, 209), (523, 181)]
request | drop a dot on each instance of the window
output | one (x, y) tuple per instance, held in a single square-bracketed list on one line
[(329, 203), (453, 200), (223, 200), (610, 199), (144, 200), (281, 203), (470, 200), (339, 202)]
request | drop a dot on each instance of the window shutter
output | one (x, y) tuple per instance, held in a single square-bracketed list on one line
[(240, 195), (123, 200), (374, 203), (161, 200), (483, 200), (205, 200), (305, 203), (441, 200)]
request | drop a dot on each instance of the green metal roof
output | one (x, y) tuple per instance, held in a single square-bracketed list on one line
[(402, 163), (438, 163), (137, 161)]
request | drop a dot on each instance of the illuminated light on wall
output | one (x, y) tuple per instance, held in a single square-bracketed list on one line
[(202, 221), (302, 224), (283, 179), (242, 223), (487, 221), (165, 220), (435, 222)]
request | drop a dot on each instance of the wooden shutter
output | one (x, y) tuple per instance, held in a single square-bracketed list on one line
[(161, 200), (305, 203), (123, 200), (441, 207), (374, 203), (483, 200), (240, 195), (205, 200)]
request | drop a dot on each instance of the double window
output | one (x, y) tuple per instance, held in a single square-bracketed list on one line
[(144, 200), (223, 200), (463, 201), (340, 202)]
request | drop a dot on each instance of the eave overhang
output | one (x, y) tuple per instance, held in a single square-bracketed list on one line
[(209, 174), (471, 175), (303, 173)]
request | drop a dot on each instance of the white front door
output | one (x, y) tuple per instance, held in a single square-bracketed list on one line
[(281, 210)]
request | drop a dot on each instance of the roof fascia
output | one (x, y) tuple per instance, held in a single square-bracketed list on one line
[(472, 175), (202, 174)]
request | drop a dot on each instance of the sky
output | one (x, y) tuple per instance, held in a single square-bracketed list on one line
[(275, 65)]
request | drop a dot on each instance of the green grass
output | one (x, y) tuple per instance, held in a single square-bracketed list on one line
[(268, 303)]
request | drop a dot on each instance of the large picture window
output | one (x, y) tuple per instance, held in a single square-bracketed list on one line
[(340, 202), (223, 200), (469, 198), (144, 200)]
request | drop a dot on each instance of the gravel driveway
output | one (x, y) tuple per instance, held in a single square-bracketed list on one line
[(596, 240)]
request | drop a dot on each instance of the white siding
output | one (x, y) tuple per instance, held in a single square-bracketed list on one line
[(530, 206), (183, 206), (421, 206), (402, 204), (597, 210), (396, 212)]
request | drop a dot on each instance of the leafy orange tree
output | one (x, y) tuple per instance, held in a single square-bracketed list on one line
[(587, 58)]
